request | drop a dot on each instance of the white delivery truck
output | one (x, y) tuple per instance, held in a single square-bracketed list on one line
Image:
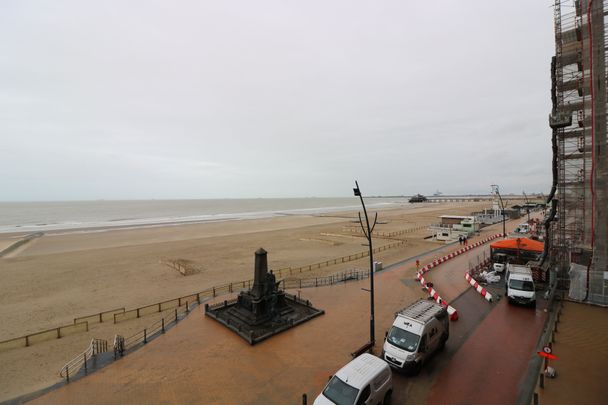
[(365, 380), (519, 285), (417, 332)]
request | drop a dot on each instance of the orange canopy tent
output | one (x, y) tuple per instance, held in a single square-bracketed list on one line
[(519, 244)]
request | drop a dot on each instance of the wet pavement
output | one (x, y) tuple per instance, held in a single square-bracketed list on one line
[(493, 361), (581, 345), (201, 361)]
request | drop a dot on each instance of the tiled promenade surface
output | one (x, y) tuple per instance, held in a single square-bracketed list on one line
[(581, 345), (200, 361)]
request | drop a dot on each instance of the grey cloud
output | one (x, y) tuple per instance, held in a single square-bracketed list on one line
[(149, 99)]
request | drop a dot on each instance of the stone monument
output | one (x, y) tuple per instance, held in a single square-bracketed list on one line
[(264, 310)]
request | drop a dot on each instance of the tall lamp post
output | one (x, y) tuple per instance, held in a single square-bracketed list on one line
[(527, 205), (367, 231), (502, 209)]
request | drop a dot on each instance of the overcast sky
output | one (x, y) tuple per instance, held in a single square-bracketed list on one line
[(211, 99)]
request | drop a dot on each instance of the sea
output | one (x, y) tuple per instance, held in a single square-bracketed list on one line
[(97, 216)]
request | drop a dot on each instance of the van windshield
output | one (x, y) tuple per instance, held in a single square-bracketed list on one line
[(339, 392), (521, 285), (403, 339)]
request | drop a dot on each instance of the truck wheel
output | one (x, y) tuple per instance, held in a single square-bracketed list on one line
[(387, 398)]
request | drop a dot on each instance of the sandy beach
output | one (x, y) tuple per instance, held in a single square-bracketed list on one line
[(53, 279)]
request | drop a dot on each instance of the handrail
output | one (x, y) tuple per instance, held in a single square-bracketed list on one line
[(221, 289), (95, 347)]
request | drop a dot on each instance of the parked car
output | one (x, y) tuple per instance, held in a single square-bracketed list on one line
[(365, 380)]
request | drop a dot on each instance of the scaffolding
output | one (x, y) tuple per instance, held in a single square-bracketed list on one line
[(578, 120)]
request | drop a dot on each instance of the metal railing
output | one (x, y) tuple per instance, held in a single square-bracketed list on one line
[(322, 281), (125, 344), (73, 366), (120, 314)]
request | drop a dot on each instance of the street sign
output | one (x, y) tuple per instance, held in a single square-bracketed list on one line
[(547, 355)]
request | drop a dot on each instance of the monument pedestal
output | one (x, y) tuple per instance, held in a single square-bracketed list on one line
[(264, 310)]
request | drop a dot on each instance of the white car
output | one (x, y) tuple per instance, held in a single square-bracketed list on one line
[(365, 380)]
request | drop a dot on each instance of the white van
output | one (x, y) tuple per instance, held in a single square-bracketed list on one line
[(417, 332), (519, 285), (499, 262), (365, 380)]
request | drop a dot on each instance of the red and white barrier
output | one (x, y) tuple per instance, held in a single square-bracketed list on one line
[(451, 310), (484, 293), (458, 252)]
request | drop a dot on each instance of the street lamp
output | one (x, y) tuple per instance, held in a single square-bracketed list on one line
[(367, 231), (502, 211), (527, 205)]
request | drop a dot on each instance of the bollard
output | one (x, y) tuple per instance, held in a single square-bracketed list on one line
[(145, 336), (67, 373), (541, 381), (187, 307), (85, 363), (304, 399), (163, 324), (536, 398), (175, 315)]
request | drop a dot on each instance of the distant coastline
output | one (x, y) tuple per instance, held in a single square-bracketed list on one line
[(97, 216)]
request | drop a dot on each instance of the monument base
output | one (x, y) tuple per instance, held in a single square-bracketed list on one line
[(253, 327)]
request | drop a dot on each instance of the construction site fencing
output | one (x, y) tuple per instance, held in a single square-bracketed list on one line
[(42, 336), (73, 366)]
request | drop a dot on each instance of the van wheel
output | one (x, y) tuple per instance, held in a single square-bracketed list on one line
[(442, 344), (387, 398), (417, 368)]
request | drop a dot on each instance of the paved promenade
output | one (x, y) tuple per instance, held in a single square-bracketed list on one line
[(199, 360), (581, 345)]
